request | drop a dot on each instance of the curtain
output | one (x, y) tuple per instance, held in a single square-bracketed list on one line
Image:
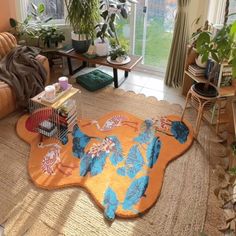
[(175, 66), (216, 11)]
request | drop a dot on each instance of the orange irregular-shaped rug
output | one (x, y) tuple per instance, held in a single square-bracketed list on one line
[(119, 159)]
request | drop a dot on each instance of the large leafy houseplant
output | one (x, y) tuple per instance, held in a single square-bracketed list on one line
[(83, 16), (221, 47), (111, 10)]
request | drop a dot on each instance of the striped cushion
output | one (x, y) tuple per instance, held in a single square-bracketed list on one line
[(7, 42)]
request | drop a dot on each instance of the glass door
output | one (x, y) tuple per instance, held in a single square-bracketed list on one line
[(150, 31)]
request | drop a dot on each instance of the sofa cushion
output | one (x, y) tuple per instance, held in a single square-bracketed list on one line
[(94, 80), (7, 42)]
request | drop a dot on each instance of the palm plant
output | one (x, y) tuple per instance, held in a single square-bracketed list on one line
[(83, 15)]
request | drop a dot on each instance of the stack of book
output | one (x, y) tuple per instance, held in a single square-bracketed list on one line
[(47, 128), (196, 70), (67, 116)]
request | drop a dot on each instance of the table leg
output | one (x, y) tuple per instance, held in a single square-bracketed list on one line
[(115, 77), (69, 65), (84, 64), (126, 74)]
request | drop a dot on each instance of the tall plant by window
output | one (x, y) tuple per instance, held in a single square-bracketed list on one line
[(83, 16)]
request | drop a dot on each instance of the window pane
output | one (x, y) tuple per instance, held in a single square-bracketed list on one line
[(153, 32), (54, 8), (232, 9)]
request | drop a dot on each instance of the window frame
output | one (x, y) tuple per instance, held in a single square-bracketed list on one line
[(21, 13)]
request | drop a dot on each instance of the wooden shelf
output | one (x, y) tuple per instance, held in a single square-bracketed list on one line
[(198, 79), (223, 91), (227, 91)]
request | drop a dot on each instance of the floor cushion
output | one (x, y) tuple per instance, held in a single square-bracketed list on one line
[(94, 80)]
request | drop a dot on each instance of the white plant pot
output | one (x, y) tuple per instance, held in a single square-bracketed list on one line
[(102, 48), (199, 62)]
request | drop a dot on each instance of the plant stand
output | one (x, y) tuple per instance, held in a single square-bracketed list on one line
[(200, 103)]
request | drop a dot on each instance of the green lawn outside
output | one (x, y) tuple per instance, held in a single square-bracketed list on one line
[(158, 43)]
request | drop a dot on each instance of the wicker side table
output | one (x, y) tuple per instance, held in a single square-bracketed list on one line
[(201, 104)]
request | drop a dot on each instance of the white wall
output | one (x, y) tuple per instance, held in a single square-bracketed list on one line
[(197, 8)]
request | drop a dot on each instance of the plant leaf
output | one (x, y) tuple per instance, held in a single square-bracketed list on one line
[(48, 19), (41, 8), (104, 15), (35, 8), (13, 22), (104, 28), (214, 56), (112, 26), (124, 13)]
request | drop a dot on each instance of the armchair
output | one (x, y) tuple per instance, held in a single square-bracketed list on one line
[(7, 96)]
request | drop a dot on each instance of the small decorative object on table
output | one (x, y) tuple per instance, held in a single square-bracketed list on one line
[(118, 54), (119, 60), (63, 81), (49, 92)]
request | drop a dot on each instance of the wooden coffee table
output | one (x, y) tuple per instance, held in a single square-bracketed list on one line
[(101, 61)]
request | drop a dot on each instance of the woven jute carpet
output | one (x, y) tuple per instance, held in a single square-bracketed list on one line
[(186, 205)]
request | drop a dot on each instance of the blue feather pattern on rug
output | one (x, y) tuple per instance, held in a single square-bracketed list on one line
[(110, 203), (93, 161), (135, 191), (133, 163), (153, 151), (180, 131)]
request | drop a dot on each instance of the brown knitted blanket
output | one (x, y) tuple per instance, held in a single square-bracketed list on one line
[(21, 71)]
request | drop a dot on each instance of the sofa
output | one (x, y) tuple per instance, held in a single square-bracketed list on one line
[(7, 97)]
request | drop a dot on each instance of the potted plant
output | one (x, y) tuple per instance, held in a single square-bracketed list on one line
[(34, 27), (110, 11), (83, 15), (51, 36), (221, 47), (119, 52)]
